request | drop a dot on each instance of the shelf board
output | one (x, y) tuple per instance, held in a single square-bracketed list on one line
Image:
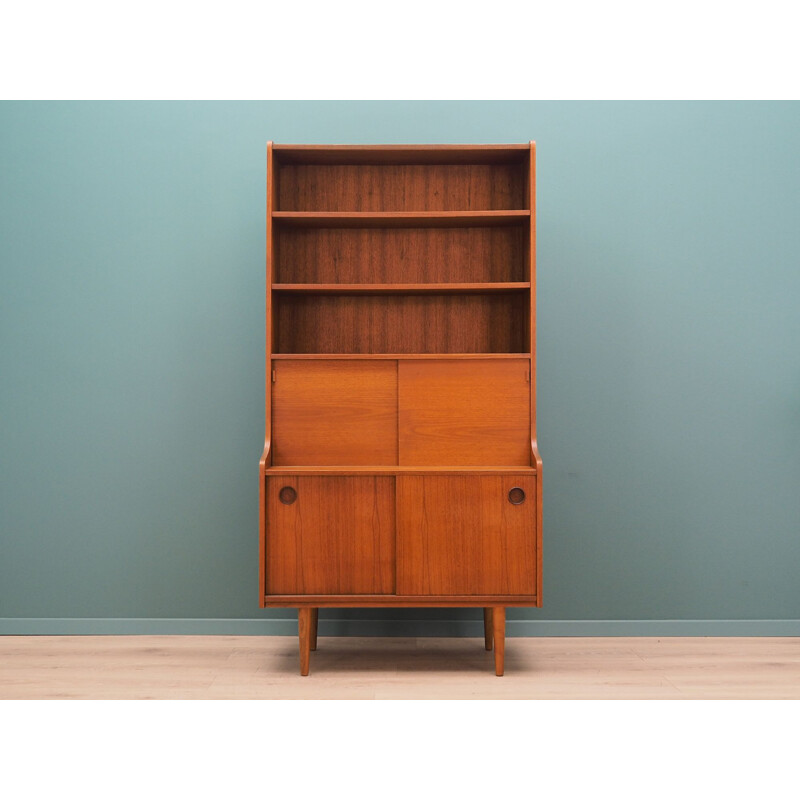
[(394, 356), (399, 288), (398, 470), (400, 154), (400, 219)]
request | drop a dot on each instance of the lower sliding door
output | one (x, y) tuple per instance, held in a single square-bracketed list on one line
[(330, 535), (466, 535)]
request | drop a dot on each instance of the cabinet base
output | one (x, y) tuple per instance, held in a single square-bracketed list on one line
[(494, 627)]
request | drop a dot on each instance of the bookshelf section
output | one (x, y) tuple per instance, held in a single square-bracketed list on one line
[(400, 255), (400, 323)]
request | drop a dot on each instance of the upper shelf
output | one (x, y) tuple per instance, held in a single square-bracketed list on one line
[(399, 288), (400, 154), (400, 219)]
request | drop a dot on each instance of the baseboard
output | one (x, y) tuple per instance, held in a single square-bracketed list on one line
[(338, 626)]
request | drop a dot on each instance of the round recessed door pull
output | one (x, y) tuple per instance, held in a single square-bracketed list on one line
[(516, 496), (287, 495)]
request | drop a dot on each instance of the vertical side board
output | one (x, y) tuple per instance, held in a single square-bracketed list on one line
[(536, 460), (266, 458)]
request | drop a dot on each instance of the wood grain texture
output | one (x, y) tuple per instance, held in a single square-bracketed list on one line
[(477, 323), (334, 413), (499, 639), (304, 634), (338, 537), (536, 459), (488, 635), (401, 187), (399, 219), (266, 455), (462, 413), (397, 601), (460, 535), (388, 255), (399, 288), (314, 627), (401, 153), (393, 356)]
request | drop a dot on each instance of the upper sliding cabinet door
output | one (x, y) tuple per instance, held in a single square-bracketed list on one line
[(464, 413), (334, 413)]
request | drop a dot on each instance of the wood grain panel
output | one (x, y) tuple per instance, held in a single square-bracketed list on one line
[(401, 153), (334, 413), (462, 413), (401, 187), (462, 536), (473, 323), (337, 537), (387, 255)]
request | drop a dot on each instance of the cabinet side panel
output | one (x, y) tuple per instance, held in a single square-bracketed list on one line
[(337, 536)]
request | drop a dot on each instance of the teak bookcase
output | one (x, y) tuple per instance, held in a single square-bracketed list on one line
[(400, 466)]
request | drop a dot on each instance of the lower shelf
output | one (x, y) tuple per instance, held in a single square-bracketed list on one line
[(397, 601)]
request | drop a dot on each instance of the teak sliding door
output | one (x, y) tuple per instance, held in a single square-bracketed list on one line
[(464, 413), (334, 413), (466, 535), (331, 535)]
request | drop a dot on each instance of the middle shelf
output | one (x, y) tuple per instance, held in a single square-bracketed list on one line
[(426, 321), (400, 288)]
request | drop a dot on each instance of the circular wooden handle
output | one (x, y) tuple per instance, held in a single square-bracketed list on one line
[(287, 495), (516, 496)]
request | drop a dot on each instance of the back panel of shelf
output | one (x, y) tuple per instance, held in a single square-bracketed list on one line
[(400, 255), (437, 323)]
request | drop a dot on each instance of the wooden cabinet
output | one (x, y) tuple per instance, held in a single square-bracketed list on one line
[(400, 465)]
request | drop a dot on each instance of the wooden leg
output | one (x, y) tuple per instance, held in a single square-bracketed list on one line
[(487, 627), (314, 620), (304, 629), (499, 633)]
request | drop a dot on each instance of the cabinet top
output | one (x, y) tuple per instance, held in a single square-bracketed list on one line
[(401, 153)]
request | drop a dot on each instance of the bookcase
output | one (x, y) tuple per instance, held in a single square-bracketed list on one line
[(400, 464)]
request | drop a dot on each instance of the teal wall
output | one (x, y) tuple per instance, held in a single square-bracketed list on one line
[(131, 360)]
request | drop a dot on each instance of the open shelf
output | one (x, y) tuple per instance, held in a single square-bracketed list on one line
[(486, 322), (395, 356), (399, 219), (401, 255), (399, 288), (386, 154)]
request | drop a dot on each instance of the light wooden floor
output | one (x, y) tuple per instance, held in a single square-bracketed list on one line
[(212, 667)]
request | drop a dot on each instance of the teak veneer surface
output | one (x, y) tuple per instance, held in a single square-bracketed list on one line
[(391, 255), (400, 187), (478, 323), (401, 382), (334, 412), (460, 535), (464, 413), (401, 154), (399, 219), (337, 537)]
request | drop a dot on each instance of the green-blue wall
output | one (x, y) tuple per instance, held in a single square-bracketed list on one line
[(131, 360)]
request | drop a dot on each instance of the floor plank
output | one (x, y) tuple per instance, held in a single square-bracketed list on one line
[(251, 667)]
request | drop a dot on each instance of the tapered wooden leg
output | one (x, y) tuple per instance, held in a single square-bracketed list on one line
[(304, 629), (487, 627), (499, 633), (314, 620)]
